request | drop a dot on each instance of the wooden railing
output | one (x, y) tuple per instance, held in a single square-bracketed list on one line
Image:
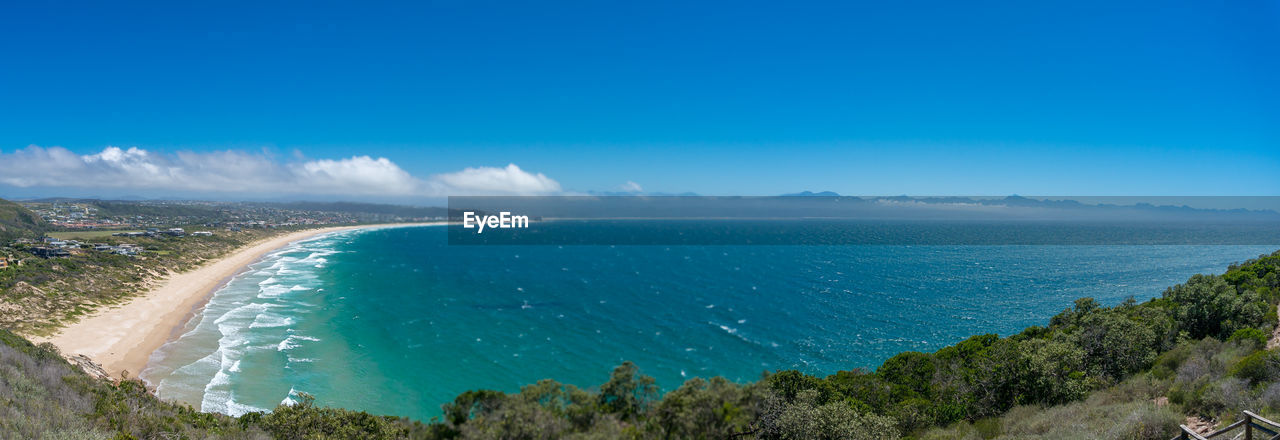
[(1251, 424)]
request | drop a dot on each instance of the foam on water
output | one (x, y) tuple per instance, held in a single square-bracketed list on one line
[(267, 319), (288, 398), (239, 321)]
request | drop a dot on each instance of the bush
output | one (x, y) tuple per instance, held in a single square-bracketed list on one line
[(1261, 366), (1209, 306), (1250, 335), (805, 418), (304, 420)]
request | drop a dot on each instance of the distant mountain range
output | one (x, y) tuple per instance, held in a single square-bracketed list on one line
[(812, 194)]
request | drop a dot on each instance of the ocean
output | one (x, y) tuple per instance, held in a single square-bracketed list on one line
[(397, 321)]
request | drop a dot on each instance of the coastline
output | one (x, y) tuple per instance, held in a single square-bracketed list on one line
[(121, 338)]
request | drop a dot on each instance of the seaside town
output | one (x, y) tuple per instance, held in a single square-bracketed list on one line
[(88, 227), (60, 258), (98, 214)]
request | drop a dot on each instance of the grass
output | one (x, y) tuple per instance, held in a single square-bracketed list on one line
[(84, 235), (1126, 411)]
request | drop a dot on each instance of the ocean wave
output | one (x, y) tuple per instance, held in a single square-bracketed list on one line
[(291, 342), (218, 396), (244, 312), (244, 317), (316, 257), (288, 398), (272, 291), (733, 332), (270, 320)]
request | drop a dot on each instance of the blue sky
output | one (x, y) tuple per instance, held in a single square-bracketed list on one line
[(939, 98)]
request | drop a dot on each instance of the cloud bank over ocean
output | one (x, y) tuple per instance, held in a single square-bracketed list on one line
[(232, 171)]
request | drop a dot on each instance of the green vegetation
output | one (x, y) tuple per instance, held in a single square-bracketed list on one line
[(18, 222), (171, 210), (87, 234), (395, 211)]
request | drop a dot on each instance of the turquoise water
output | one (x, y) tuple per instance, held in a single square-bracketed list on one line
[(395, 321)]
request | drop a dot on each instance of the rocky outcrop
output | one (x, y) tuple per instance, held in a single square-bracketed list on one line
[(89, 366)]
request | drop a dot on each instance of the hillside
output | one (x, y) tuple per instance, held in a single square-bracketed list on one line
[(127, 208), (364, 208), (16, 222), (42, 396)]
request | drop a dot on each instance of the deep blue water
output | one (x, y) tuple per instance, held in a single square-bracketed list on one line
[(396, 321)]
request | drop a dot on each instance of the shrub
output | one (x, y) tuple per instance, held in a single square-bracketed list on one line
[(1257, 367), (1250, 335), (805, 418), (1209, 306)]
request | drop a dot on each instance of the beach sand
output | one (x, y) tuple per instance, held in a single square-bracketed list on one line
[(122, 338)]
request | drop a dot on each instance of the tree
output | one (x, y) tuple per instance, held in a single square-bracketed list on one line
[(1114, 345), (628, 393), (708, 409), (910, 370), (1208, 306), (807, 419), (1055, 372)]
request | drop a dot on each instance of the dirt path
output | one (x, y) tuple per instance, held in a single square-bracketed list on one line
[(1275, 335)]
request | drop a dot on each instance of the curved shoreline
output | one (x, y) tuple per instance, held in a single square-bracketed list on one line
[(122, 338)]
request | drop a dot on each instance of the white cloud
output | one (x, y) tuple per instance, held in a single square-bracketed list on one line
[(363, 172), (631, 187), (489, 180), (240, 171)]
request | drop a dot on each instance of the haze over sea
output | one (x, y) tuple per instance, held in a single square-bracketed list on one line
[(396, 321)]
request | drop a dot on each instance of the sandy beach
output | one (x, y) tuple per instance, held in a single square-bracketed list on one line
[(122, 338)]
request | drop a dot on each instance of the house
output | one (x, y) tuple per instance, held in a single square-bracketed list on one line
[(66, 244), (202, 234), (4, 263), (46, 252), (176, 232), (128, 250)]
